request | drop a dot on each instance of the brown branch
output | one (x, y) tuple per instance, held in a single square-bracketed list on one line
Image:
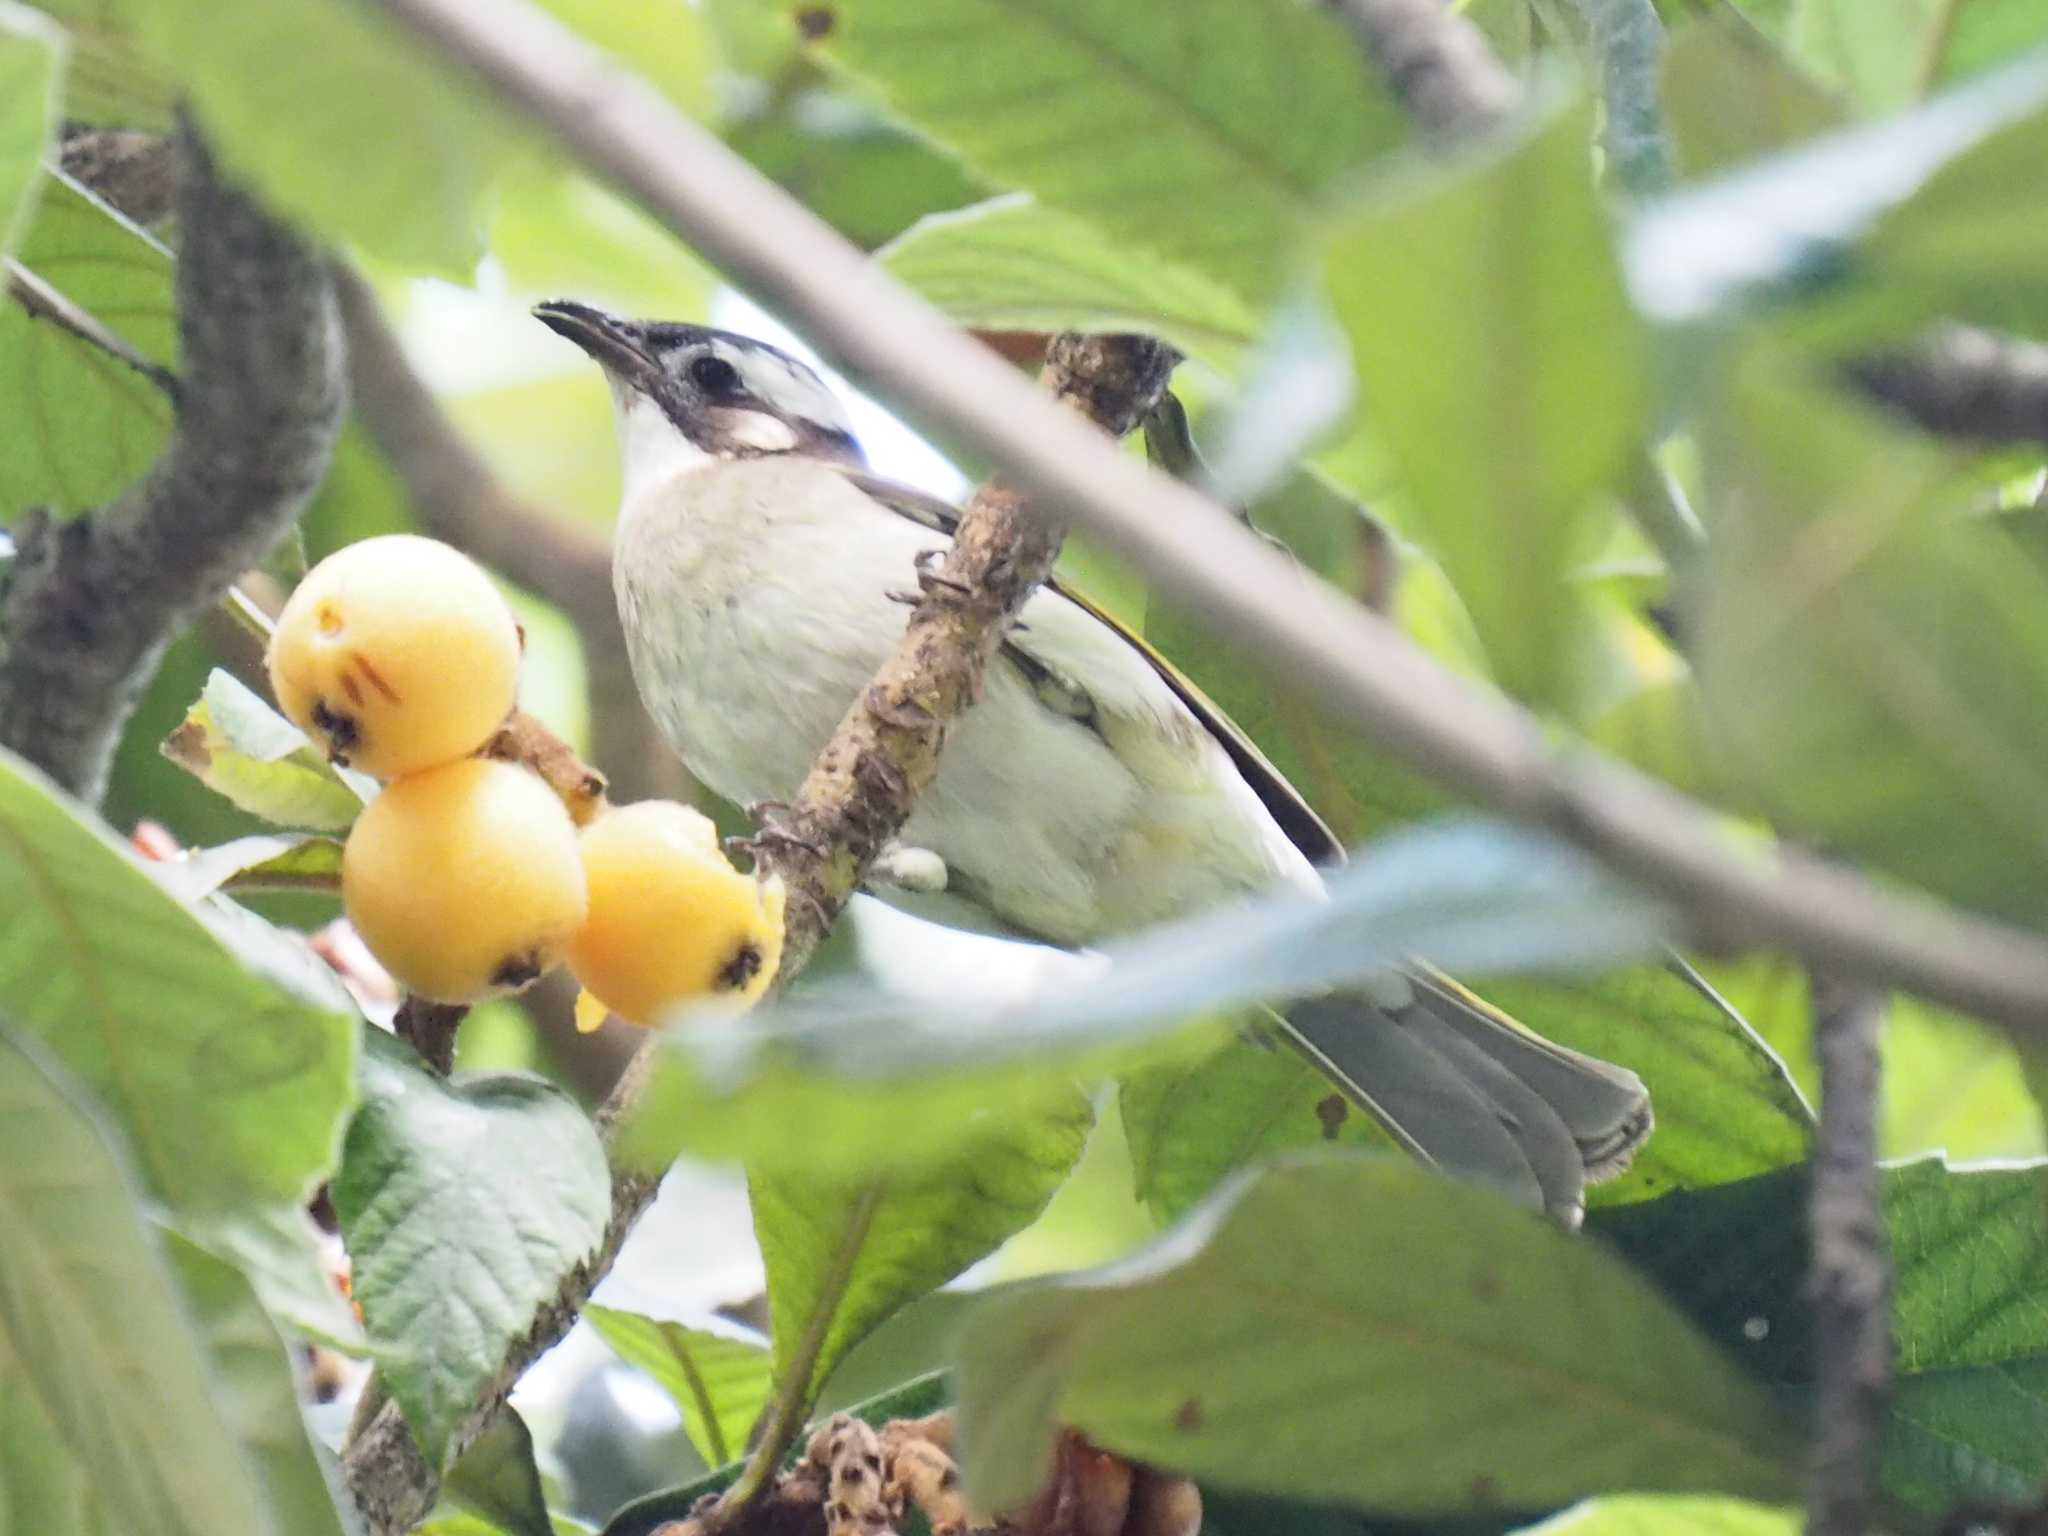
[(93, 602), (1438, 64), (860, 791), (1965, 383), (1851, 1267)]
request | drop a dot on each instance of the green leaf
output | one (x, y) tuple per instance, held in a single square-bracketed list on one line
[(555, 231), (1730, 97), (258, 1393), (1874, 49), (922, 1231), (1988, 33), (1010, 264), (83, 427), (1970, 1435), (1958, 248), (859, 172), (354, 129), (497, 1480), (1874, 655), (1664, 1515), (463, 1204), (42, 1488), (90, 1320), (260, 863), (107, 82), (281, 1254), (883, 1081), (719, 1382), (1192, 1124), (1249, 1349), (249, 754), (31, 61), (1205, 132), (230, 1088), (349, 126), (1726, 1107), (1970, 1263), (1501, 364), (1953, 1085)]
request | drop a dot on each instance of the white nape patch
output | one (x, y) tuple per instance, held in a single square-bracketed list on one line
[(893, 450), (788, 387), (652, 449), (757, 429)]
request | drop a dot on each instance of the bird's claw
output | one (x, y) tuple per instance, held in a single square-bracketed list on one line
[(771, 829)]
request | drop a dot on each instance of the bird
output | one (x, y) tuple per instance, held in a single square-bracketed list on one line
[(1090, 792)]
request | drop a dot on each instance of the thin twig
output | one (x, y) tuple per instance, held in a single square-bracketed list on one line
[(1359, 668), (45, 301), (1851, 1267), (91, 603), (1437, 63)]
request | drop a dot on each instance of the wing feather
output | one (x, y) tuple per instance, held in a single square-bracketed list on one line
[(1304, 828)]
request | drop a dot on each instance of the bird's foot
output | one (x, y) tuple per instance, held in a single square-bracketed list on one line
[(772, 829)]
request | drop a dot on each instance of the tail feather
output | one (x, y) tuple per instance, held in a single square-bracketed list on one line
[(1465, 1088)]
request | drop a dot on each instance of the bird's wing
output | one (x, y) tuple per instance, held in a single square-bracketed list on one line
[(1304, 828)]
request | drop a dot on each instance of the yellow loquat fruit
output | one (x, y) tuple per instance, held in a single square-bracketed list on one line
[(465, 880), (670, 918), (396, 654)]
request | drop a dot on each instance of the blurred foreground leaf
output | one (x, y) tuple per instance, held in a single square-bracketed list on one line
[(882, 1081), (1485, 307), (31, 60), (1873, 654), (259, 1393), (91, 1322), (230, 1079), (1873, 231)]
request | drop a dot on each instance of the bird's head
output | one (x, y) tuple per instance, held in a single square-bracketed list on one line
[(688, 395)]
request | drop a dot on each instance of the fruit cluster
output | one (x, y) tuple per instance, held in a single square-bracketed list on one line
[(467, 876)]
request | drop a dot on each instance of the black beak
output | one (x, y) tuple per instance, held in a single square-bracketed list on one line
[(617, 345)]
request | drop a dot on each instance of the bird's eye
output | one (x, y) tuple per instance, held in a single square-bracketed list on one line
[(714, 375)]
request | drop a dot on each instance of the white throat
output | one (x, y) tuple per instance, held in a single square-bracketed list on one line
[(652, 449)]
